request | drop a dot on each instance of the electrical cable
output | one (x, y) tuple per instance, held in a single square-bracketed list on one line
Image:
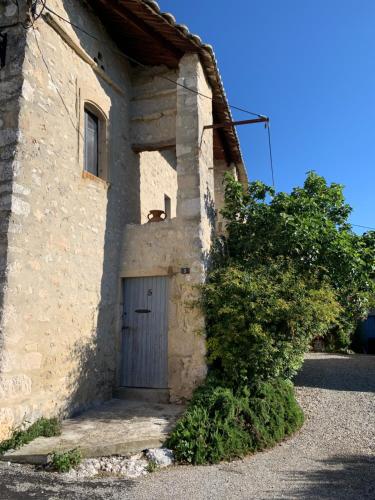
[(56, 87), (34, 15), (31, 22), (26, 26), (270, 152), (363, 227), (46, 7), (131, 59)]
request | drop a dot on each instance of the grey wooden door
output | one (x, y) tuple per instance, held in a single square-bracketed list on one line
[(145, 330)]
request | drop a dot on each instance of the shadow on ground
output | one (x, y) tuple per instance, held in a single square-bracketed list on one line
[(339, 477), (338, 372)]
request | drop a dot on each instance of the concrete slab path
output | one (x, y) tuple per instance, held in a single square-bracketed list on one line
[(118, 427)]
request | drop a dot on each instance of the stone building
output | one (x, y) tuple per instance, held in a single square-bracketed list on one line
[(103, 108)]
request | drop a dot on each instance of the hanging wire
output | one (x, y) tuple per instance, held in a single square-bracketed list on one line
[(270, 152), (55, 85), (33, 18), (363, 227), (170, 80), (45, 7), (135, 61), (34, 14)]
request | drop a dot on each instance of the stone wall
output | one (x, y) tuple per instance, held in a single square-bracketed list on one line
[(60, 335), (61, 253), (153, 106), (11, 192), (162, 249), (153, 126), (220, 168), (158, 179)]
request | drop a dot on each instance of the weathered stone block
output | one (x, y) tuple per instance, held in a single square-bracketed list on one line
[(15, 386)]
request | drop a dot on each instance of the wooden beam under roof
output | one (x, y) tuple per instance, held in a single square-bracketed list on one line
[(125, 14), (150, 37)]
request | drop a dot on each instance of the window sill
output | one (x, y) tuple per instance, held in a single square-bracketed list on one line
[(92, 177)]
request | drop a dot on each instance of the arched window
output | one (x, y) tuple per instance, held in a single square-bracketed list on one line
[(95, 141)]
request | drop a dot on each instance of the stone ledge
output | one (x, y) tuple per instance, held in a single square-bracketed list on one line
[(92, 177), (147, 395), (115, 428), (154, 95), (154, 116)]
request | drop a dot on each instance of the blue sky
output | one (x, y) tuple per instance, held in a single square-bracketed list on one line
[(310, 66)]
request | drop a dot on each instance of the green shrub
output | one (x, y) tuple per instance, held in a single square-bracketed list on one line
[(289, 269), (220, 424), (310, 226), (41, 428), (260, 322), (66, 460)]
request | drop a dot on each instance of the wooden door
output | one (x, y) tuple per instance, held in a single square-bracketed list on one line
[(145, 333)]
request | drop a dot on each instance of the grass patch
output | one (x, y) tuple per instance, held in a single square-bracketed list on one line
[(152, 466), (41, 428), (66, 460), (221, 424)]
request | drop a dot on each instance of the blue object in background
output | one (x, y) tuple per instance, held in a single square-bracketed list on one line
[(367, 334)]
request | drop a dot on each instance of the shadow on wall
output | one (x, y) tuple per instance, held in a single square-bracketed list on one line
[(335, 372), (11, 81), (211, 214), (7, 154), (341, 477), (83, 391), (4, 226), (94, 376), (210, 209)]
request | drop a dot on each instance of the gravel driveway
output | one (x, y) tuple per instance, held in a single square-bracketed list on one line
[(333, 456)]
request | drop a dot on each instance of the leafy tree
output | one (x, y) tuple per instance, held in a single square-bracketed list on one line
[(310, 227), (260, 321), (289, 268)]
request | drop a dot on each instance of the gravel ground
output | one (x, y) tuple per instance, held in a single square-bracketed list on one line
[(332, 457)]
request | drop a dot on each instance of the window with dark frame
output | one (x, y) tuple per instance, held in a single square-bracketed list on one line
[(91, 143)]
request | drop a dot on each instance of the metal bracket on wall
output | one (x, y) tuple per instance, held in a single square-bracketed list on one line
[(261, 119), (232, 124), (3, 48)]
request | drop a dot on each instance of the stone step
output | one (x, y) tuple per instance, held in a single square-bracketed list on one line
[(118, 427), (147, 395)]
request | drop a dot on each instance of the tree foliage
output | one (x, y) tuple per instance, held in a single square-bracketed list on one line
[(310, 227), (289, 268), (260, 321)]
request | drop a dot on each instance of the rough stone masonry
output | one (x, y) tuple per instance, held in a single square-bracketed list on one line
[(69, 238)]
